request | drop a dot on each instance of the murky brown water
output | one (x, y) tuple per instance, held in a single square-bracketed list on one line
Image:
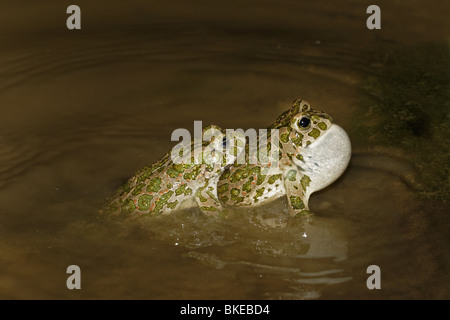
[(84, 110)]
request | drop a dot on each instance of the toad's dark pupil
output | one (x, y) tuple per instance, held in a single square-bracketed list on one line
[(304, 122)]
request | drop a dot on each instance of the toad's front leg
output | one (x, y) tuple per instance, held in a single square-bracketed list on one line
[(296, 184), (206, 198)]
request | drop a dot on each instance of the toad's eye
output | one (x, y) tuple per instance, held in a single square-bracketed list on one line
[(304, 122)]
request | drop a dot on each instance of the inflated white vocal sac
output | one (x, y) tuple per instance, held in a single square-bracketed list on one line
[(326, 159)]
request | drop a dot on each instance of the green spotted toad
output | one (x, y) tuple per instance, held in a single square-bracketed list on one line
[(313, 152), (306, 153)]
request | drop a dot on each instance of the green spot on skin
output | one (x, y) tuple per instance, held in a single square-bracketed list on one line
[(305, 182), (260, 179), (323, 126), (291, 175), (188, 191), (144, 174), (154, 185), (315, 118), (172, 205), (192, 175), (144, 202), (248, 170), (296, 203), (315, 133), (199, 195), (128, 206), (138, 189), (300, 157), (238, 175), (162, 201), (223, 188), (235, 195), (247, 187), (256, 170), (235, 192), (274, 178), (284, 137), (225, 175), (180, 189), (296, 106), (298, 140), (224, 199), (188, 176), (259, 193)]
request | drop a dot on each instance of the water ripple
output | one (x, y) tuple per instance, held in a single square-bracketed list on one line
[(183, 43)]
